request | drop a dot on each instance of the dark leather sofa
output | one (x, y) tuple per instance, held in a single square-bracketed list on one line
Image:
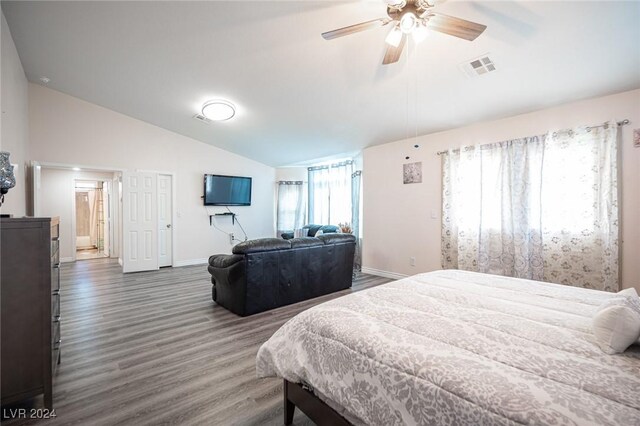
[(268, 273)]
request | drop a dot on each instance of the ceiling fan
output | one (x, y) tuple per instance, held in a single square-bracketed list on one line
[(413, 17)]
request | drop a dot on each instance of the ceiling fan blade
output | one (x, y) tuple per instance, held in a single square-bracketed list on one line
[(454, 26), (393, 53), (341, 32)]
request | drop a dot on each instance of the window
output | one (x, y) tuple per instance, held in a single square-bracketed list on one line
[(330, 193), (543, 208), (291, 206)]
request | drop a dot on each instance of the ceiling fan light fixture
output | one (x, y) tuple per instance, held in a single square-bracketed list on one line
[(408, 22), (218, 110), (394, 37), (420, 32), (398, 4)]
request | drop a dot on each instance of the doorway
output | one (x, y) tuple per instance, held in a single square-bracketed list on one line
[(92, 219)]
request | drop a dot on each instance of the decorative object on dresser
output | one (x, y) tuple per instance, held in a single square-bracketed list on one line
[(30, 293), (7, 178), (268, 273)]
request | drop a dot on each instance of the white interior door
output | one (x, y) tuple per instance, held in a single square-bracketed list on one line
[(165, 220), (140, 221)]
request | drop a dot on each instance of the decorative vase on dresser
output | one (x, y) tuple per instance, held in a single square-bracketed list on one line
[(30, 311)]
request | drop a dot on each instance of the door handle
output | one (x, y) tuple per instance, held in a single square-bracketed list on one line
[(168, 225)]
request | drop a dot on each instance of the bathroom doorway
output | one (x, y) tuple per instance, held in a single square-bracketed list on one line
[(92, 219)]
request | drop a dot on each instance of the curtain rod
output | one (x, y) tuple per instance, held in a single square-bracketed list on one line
[(290, 182), (328, 166), (620, 123)]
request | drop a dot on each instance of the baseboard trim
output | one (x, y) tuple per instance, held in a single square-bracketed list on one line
[(66, 259), (385, 274), (191, 262)]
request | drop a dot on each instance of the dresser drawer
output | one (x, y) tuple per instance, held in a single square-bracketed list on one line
[(55, 279), (55, 305), (55, 252), (56, 344)]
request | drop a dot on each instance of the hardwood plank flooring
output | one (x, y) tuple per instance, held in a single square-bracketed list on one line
[(153, 348)]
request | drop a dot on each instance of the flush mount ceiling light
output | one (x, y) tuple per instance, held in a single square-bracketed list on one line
[(218, 110)]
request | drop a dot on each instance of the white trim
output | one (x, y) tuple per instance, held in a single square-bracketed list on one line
[(67, 259), (74, 236), (83, 168), (190, 262), (120, 261), (385, 274)]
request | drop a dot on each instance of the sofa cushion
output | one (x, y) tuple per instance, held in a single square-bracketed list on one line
[(336, 238), (328, 229), (306, 242), (312, 229), (261, 244)]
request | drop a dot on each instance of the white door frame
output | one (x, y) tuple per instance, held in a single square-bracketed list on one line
[(74, 235), (115, 206), (36, 169), (172, 201)]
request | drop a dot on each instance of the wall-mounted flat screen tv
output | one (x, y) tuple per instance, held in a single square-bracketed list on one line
[(227, 190)]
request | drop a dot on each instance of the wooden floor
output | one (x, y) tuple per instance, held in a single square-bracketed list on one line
[(152, 348)]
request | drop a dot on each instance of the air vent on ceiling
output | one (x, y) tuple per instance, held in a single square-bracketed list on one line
[(478, 66), (202, 118)]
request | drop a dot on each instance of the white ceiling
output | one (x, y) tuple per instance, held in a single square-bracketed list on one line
[(300, 97)]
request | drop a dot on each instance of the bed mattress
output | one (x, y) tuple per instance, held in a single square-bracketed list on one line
[(459, 348)]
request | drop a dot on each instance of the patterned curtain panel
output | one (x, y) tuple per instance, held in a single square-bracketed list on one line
[(542, 208), (292, 206), (356, 179)]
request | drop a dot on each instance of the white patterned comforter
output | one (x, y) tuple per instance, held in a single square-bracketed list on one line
[(459, 348)]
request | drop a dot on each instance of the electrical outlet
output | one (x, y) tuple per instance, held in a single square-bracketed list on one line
[(412, 261), (231, 238)]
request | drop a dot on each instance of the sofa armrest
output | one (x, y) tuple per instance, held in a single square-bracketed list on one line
[(224, 260)]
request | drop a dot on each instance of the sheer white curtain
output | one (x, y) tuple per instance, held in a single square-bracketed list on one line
[(330, 194), (543, 208), (319, 195), (292, 206)]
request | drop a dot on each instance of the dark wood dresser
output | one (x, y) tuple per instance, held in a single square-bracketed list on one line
[(30, 311)]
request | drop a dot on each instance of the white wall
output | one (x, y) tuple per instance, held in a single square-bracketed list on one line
[(57, 191), (397, 217), (292, 173), (14, 120), (64, 129)]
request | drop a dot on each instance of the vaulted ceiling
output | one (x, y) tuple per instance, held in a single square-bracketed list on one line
[(300, 97)]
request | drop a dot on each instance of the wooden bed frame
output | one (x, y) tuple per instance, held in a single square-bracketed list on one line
[(321, 414)]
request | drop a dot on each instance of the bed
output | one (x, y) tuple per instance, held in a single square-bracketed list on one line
[(455, 348)]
